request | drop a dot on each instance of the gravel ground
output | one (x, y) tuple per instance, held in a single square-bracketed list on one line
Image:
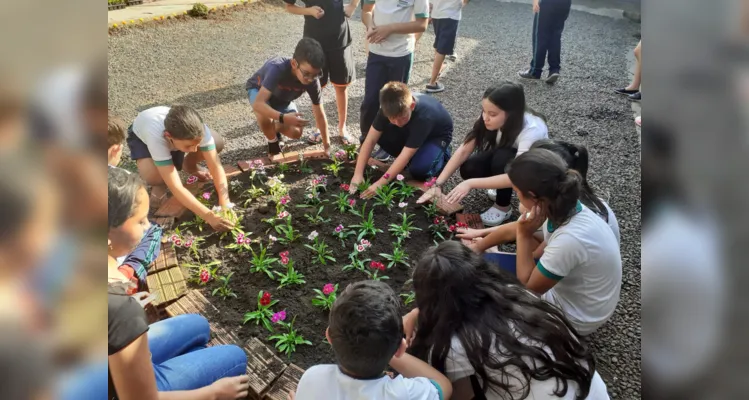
[(205, 63)]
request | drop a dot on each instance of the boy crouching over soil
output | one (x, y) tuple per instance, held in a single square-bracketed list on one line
[(274, 87), (366, 332)]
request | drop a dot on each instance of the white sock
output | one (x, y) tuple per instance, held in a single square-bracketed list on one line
[(272, 141)]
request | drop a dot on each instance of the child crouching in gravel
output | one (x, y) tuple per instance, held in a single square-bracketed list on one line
[(366, 332)]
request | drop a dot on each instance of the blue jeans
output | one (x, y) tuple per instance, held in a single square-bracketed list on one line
[(181, 360), (548, 25), (505, 261), (429, 160), (380, 70)]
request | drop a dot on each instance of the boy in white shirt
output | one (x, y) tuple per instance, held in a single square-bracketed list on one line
[(366, 332), (163, 141), (391, 25), (446, 16)]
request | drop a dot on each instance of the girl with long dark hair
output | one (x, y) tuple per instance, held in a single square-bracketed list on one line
[(581, 267), (507, 128), (576, 158), (493, 338)]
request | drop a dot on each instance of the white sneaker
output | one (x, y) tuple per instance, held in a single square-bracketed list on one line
[(494, 216), (492, 193)]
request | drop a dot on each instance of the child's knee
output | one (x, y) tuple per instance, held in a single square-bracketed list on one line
[(293, 132)]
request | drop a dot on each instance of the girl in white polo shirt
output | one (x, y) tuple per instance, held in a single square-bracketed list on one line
[(581, 268)]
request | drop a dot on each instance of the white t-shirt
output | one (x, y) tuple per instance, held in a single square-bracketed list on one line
[(396, 11), (457, 366), (534, 128), (583, 256), (329, 383), (613, 223), (442, 9), (149, 128)]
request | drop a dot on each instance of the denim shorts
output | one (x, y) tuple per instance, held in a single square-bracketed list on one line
[(288, 108)]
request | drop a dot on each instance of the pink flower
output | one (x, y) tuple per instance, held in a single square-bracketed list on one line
[(258, 162), (283, 214), (178, 242), (272, 239), (365, 243), (247, 241), (188, 243), (386, 176), (400, 177), (351, 202), (339, 229), (430, 182), (345, 187), (285, 200), (240, 238), (359, 248), (340, 154), (206, 196), (192, 179), (328, 289), (284, 261), (315, 182), (173, 238), (205, 276), (284, 254), (279, 316)]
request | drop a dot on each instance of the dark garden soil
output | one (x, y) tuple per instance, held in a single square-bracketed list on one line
[(296, 300)]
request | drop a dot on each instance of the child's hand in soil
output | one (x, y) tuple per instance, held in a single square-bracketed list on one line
[(235, 387), (468, 233), (371, 190), (218, 223), (202, 174), (355, 182), (433, 193)]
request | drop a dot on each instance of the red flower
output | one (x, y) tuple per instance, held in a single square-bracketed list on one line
[(284, 254), (451, 228), (265, 300), (377, 265), (284, 260), (205, 276), (461, 225), (345, 187)]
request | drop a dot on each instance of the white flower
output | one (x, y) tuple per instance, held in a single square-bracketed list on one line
[(272, 239), (400, 177), (230, 205), (312, 235), (216, 209), (402, 204)]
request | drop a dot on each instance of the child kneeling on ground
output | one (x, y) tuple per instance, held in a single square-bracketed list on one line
[(366, 332)]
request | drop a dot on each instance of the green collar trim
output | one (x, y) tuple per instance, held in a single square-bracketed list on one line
[(578, 207)]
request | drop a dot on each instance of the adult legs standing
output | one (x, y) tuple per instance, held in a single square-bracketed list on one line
[(560, 11), (380, 70)]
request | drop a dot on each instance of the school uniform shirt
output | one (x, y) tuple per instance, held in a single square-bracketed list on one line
[(612, 222), (276, 76), (127, 322), (534, 128), (583, 257), (149, 128), (457, 366), (397, 11), (332, 30), (429, 122), (442, 9), (329, 383)]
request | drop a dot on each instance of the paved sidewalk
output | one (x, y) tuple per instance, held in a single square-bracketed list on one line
[(149, 11)]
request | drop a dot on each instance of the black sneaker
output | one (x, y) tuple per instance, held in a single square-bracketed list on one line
[(528, 75), (436, 88), (552, 78), (382, 156), (635, 96), (274, 148), (625, 91)]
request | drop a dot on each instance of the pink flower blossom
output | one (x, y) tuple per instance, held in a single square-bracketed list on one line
[(339, 229), (328, 289), (173, 238), (247, 241), (284, 254), (430, 182), (345, 187), (192, 179), (365, 243), (188, 243), (272, 239), (285, 200), (205, 276), (402, 204), (283, 214), (340, 154), (386, 176), (240, 238), (258, 162), (279, 316), (400, 177), (360, 248), (178, 242), (206, 196), (351, 202), (284, 261)]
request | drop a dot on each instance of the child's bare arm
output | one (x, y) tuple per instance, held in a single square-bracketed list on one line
[(411, 367)]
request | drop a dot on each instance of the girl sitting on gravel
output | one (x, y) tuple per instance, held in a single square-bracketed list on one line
[(167, 360), (581, 268), (576, 157), (506, 129), (532, 352)]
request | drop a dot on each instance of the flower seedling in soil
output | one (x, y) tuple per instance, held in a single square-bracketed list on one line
[(385, 196), (351, 151), (286, 232), (439, 228), (354, 256), (258, 171), (319, 184), (292, 276), (377, 267), (223, 291), (311, 199), (261, 262), (242, 242), (404, 190), (303, 167), (342, 202), (326, 297), (191, 243), (252, 193), (317, 217), (408, 298), (282, 202), (235, 187), (405, 228), (342, 234), (202, 273), (276, 188), (431, 210), (367, 226), (263, 314), (364, 185), (320, 248), (399, 256), (283, 168), (196, 222), (336, 166), (286, 343)]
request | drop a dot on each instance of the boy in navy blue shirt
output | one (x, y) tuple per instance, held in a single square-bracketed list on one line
[(416, 129), (274, 87)]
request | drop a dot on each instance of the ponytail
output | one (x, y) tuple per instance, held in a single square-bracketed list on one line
[(543, 175)]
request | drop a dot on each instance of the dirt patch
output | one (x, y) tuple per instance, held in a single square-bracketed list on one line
[(296, 300)]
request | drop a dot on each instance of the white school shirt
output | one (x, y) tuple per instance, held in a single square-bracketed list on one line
[(443, 9), (612, 222), (457, 366), (534, 128), (396, 11), (583, 256), (149, 128), (329, 383)]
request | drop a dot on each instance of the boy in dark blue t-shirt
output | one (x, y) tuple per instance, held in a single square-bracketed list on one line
[(274, 87), (416, 129)]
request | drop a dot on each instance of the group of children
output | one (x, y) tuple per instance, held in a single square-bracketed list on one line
[(485, 326)]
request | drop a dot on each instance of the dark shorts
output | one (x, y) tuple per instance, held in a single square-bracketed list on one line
[(139, 150), (445, 33), (339, 67)]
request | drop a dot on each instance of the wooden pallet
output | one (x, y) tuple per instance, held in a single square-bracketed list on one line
[(168, 284), (284, 384), (167, 258), (263, 367), (192, 303)]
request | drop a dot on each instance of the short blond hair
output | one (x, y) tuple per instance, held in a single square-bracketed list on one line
[(395, 99)]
